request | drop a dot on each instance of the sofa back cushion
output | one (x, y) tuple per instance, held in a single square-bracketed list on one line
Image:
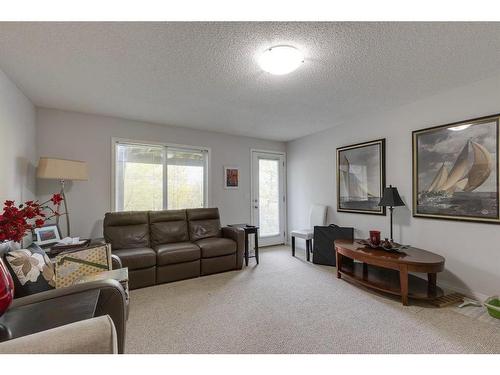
[(126, 230), (168, 226), (203, 223)]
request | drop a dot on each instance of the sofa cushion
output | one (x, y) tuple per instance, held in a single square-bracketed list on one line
[(179, 252), (113, 219), (168, 226), (125, 230), (202, 213), (136, 258), (214, 247), (203, 223)]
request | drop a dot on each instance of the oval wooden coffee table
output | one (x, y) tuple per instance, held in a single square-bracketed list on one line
[(389, 271)]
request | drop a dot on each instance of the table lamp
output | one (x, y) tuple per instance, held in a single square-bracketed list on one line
[(391, 199), (62, 170)]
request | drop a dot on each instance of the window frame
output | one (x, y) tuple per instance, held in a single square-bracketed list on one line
[(207, 175)]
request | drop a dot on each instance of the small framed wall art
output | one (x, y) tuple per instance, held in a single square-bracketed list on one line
[(231, 177), (455, 171), (47, 235), (361, 177)]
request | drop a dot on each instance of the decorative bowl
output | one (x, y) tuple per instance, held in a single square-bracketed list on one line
[(396, 247)]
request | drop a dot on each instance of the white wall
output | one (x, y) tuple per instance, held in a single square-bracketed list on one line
[(472, 250), (17, 143), (87, 137)]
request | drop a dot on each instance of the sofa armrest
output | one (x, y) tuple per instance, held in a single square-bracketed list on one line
[(91, 336), (116, 262), (237, 235), (111, 302)]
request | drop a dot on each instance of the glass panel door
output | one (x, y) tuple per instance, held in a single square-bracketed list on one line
[(268, 197)]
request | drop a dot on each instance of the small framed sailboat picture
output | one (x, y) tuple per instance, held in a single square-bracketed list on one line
[(361, 177), (455, 171)]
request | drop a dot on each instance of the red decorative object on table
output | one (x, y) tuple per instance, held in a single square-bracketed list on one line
[(375, 237), (6, 288), (15, 223)]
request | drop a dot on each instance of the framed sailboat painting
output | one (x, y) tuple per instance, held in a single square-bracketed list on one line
[(455, 171), (361, 177)]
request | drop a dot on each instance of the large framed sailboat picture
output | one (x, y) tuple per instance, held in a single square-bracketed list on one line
[(455, 171), (361, 177)]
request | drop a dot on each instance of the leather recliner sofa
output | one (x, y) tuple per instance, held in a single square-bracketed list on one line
[(170, 245)]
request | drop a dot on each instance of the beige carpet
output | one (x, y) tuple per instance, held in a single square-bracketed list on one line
[(287, 305)]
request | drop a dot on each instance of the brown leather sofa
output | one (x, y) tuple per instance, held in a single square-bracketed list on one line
[(170, 245)]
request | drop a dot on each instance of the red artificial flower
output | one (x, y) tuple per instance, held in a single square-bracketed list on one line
[(29, 212), (56, 199), (15, 222), (39, 222)]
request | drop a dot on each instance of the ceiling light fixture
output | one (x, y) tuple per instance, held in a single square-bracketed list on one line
[(280, 60)]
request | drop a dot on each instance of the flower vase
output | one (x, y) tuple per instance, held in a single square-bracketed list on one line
[(6, 288)]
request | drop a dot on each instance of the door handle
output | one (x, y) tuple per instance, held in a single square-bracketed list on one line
[(255, 207)]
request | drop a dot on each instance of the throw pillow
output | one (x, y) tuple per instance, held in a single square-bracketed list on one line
[(31, 269)]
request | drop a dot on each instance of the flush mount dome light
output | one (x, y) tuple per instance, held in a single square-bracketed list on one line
[(280, 60)]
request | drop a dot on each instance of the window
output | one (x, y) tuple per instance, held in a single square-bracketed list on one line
[(269, 197), (156, 177)]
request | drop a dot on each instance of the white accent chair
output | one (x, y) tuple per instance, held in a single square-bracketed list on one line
[(317, 216)]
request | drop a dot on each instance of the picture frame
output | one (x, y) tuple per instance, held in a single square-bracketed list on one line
[(361, 177), (47, 235), (456, 171), (231, 177)]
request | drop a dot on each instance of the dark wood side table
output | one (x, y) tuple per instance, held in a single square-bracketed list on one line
[(389, 271), (41, 316), (249, 229)]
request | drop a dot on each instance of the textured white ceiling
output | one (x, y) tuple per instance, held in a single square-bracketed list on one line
[(204, 75)]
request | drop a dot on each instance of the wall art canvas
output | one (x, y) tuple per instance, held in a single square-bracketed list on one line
[(361, 177), (455, 171), (231, 177)]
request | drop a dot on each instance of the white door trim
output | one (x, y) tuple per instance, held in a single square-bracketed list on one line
[(252, 188)]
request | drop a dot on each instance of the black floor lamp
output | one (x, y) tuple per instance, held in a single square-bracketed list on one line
[(391, 199)]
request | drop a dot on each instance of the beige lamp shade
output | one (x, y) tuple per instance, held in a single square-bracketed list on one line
[(61, 169)]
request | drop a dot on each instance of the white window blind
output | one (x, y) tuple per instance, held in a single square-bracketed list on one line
[(156, 177)]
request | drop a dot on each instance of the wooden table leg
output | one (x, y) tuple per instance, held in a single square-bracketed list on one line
[(403, 280), (431, 283), (307, 250), (257, 247), (365, 270), (339, 263), (246, 249), (293, 246)]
